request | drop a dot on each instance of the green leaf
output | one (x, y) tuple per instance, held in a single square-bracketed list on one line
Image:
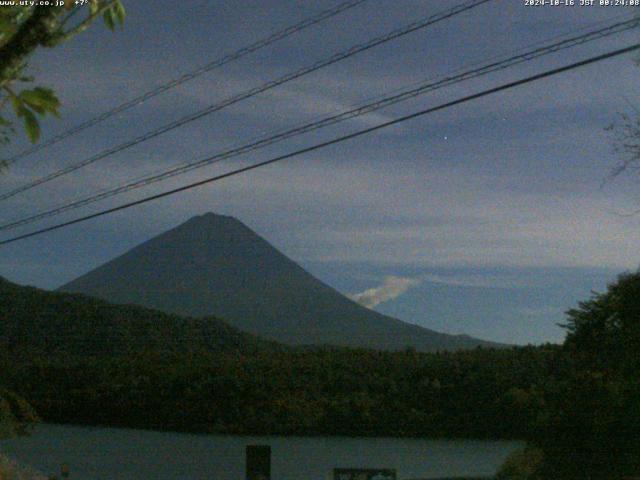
[(31, 126), (7, 29), (31, 98), (42, 100), (114, 15), (94, 5), (18, 105), (119, 11), (109, 19), (38, 109)]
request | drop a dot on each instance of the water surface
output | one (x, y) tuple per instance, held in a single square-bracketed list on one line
[(110, 453)]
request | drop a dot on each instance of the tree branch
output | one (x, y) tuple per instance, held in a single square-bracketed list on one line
[(82, 26), (34, 32)]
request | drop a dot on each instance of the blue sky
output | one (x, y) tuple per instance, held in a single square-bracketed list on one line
[(489, 218)]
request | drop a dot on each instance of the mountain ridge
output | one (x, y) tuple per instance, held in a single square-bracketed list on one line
[(216, 265), (40, 322)]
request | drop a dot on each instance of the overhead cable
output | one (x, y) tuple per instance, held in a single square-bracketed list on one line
[(334, 141), (422, 89), (397, 33)]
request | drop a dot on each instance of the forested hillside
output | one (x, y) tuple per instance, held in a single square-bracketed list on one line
[(38, 323), (330, 392), (578, 404), (83, 360)]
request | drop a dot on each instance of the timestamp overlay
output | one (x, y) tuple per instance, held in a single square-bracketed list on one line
[(581, 3)]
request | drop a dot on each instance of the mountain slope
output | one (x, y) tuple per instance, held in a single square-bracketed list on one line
[(50, 323), (215, 265)]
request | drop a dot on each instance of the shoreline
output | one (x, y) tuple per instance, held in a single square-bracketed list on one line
[(281, 435)]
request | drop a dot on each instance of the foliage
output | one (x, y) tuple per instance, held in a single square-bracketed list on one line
[(314, 392), (604, 331), (578, 405), (83, 360), (521, 465), (592, 429), (626, 141), (33, 321), (16, 415), (28, 104), (23, 29), (591, 422)]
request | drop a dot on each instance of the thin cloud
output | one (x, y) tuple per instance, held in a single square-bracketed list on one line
[(475, 281), (391, 289)]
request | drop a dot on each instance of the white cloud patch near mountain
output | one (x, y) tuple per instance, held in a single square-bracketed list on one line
[(391, 288)]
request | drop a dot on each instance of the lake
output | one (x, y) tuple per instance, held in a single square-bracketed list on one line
[(110, 453)]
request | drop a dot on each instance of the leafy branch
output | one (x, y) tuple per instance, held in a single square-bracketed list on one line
[(24, 29), (28, 104)]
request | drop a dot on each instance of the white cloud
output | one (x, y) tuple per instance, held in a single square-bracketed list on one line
[(391, 289), (480, 280), (549, 311)]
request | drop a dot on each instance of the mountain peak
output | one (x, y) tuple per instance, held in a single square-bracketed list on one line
[(211, 218)]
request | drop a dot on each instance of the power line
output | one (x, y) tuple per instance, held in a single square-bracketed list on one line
[(275, 37), (343, 138), (525, 56), (412, 27)]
